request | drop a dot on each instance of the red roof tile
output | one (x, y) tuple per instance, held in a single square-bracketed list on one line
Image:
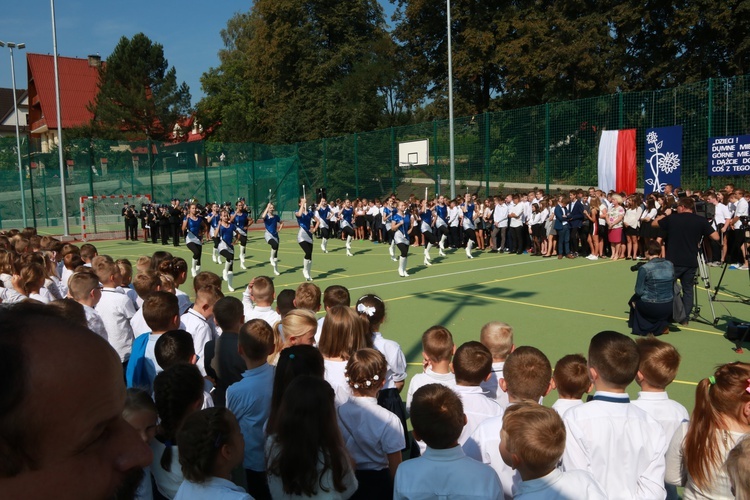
[(78, 88)]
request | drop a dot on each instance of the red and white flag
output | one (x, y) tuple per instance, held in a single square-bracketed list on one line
[(617, 169)]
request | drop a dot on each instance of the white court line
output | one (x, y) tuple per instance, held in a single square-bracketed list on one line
[(481, 269)]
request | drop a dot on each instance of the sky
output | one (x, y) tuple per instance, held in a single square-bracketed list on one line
[(188, 30)]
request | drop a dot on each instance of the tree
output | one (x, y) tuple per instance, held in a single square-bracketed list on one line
[(306, 69), (138, 92)]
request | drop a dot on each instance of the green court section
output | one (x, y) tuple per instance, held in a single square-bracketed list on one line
[(554, 305)]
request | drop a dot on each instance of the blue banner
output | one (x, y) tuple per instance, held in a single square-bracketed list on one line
[(663, 163), (729, 155)]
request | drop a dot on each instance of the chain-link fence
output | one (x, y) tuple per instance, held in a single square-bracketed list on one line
[(549, 145)]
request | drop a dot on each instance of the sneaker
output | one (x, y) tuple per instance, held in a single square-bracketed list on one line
[(743, 268), (592, 257), (715, 264)]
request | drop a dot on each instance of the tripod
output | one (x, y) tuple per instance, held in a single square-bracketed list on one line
[(704, 276)]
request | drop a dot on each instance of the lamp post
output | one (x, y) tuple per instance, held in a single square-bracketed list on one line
[(19, 46), (61, 153), (450, 106)]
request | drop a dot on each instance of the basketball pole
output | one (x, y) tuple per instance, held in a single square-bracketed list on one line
[(450, 105)]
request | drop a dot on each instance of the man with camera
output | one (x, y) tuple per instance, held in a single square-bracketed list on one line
[(684, 233)]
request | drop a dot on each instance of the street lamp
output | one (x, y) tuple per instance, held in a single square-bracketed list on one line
[(19, 46)]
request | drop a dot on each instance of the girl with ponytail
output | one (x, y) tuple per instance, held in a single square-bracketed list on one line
[(721, 416)]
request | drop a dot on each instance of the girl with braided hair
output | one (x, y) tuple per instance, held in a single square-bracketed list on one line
[(178, 392), (373, 435), (211, 445), (721, 417)]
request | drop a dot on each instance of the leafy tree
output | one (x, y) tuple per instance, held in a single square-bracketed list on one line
[(138, 92), (307, 69)]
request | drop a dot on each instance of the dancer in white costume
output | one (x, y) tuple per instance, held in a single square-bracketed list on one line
[(346, 216), (226, 247), (193, 227), (323, 216), (308, 224), (241, 219), (427, 217), (273, 225), (467, 208), (401, 225), (441, 224)]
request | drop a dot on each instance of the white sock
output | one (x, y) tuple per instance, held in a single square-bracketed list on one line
[(230, 277), (348, 242), (226, 271), (442, 242)]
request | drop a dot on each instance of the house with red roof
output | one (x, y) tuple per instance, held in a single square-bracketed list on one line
[(78, 88), (8, 112)]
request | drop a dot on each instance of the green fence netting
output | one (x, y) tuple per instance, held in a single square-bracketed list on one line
[(550, 145)]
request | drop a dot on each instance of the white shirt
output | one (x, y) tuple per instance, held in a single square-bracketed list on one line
[(492, 385), (670, 414), (484, 446), (370, 432), (428, 377), (167, 482), (10, 296), (721, 213), (453, 216), (563, 405), (740, 211), (516, 210), (116, 311), (215, 488), (200, 328), (252, 311), (445, 474), (95, 322), (561, 486), (720, 487), (477, 408), (334, 375), (394, 357), (138, 324), (319, 330), (183, 300), (620, 444)]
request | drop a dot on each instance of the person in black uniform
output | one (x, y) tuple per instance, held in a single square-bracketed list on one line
[(143, 216), (152, 219), (175, 221), (164, 224), (131, 224), (125, 208)]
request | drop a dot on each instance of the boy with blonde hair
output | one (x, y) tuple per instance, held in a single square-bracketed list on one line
[(307, 296), (657, 369), (84, 288), (437, 353), (498, 338), (257, 300), (199, 321), (115, 308), (527, 376), (619, 443), (572, 381), (144, 283), (532, 441)]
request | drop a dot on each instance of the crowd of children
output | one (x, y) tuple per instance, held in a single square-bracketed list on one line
[(241, 399)]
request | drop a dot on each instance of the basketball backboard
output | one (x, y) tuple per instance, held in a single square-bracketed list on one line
[(414, 153)]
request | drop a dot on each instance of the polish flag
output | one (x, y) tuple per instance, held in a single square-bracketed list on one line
[(617, 169)]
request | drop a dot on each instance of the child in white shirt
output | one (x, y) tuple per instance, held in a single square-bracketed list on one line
[(532, 441), (437, 354), (199, 321), (571, 377), (216, 433), (658, 366), (498, 338), (620, 444), (373, 435), (257, 300)]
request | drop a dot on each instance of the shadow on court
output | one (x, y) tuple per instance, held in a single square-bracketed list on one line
[(452, 304)]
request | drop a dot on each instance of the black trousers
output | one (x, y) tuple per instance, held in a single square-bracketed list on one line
[(175, 234)]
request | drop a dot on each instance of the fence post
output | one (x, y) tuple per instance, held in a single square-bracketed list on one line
[(487, 153), (435, 156), (546, 146), (709, 129), (150, 166), (393, 160), (356, 164), (205, 172)]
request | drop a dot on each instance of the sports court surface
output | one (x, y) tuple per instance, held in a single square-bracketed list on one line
[(554, 305)]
